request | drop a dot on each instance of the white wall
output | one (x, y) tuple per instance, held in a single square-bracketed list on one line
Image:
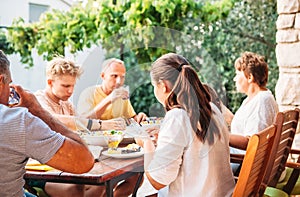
[(10, 9), (91, 60)]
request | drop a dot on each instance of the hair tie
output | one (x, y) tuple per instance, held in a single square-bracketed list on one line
[(180, 67)]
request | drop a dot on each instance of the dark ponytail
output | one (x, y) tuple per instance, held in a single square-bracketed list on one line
[(187, 93)]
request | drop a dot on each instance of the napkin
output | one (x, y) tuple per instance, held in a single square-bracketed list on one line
[(40, 167), (35, 165), (95, 150)]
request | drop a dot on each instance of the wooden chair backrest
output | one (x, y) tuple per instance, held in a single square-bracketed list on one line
[(286, 123), (255, 163)]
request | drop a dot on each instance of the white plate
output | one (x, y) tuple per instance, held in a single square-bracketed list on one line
[(125, 155)]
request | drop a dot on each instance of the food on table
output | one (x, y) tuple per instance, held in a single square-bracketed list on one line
[(130, 148), (112, 132), (152, 120)]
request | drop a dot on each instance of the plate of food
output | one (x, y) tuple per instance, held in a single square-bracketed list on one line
[(130, 151)]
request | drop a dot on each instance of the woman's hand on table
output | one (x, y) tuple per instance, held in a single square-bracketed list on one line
[(149, 149), (153, 133), (152, 136), (146, 143), (139, 141)]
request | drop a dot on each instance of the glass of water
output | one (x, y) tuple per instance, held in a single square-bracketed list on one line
[(126, 87)]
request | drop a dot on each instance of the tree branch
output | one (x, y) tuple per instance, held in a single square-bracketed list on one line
[(244, 35)]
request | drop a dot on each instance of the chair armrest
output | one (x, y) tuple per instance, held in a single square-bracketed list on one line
[(293, 165), (295, 151), (236, 158), (294, 157), (293, 177)]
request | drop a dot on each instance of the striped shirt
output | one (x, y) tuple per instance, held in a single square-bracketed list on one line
[(22, 136)]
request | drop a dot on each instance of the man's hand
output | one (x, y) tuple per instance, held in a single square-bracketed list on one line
[(140, 117), (27, 99), (117, 124)]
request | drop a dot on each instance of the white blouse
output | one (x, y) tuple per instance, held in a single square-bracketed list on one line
[(185, 164), (255, 115)]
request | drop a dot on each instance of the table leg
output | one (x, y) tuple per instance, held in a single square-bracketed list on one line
[(137, 185), (109, 185)]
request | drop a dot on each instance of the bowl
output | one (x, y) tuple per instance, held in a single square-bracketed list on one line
[(95, 138)]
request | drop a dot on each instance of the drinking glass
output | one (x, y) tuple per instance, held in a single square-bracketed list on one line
[(114, 139), (13, 97), (126, 87)]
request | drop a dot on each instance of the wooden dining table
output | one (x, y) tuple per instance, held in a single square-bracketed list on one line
[(107, 171)]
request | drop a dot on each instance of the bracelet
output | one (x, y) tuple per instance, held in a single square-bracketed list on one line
[(100, 122), (89, 125)]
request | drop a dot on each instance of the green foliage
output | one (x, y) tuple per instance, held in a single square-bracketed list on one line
[(248, 27), (211, 34), (4, 44), (22, 38), (126, 23), (148, 30)]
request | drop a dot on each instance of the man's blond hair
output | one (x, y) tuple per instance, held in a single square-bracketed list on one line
[(108, 62), (62, 66)]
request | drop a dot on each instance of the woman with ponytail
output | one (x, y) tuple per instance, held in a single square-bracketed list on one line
[(192, 153)]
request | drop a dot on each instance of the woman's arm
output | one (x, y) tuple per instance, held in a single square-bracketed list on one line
[(149, 149), (238, 141)]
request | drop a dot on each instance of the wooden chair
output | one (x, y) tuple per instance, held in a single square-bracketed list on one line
[(291, 182), (286, 123), (250, 181)]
